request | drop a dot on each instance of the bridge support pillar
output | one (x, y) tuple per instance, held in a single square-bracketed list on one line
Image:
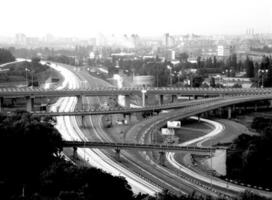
[(129, 118), (80, 102), (118, 154), (161, 99), (29, 104), (127, 101), (198, 117), (174, 98), (229, 112), (83, 121), (144, 99), (220, 112), (195, 97), (75, 156), (1, 103), (162, 158), (255, 107), (270, 103)]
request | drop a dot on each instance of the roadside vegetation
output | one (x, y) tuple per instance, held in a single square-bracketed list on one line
[(6, 56), (19, 73), (251, 160)]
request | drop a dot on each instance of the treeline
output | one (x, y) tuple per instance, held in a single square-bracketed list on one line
[(62, 59), (251, 160), (6, 56)]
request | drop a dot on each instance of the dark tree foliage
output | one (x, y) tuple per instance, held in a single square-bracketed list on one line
[(27, 147), (252, 160), (249, 66), (6, 56), (197, 81), (65, 180)]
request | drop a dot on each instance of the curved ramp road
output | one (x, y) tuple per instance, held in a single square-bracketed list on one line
[(69, 129)]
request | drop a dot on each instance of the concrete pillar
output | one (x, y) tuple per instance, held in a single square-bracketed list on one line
[(198, 117), (255, 107), (83, 121), (127, 101), (220, 112), (174, 98), (195, 97), (229, 112), (161, 99), (162, 158), (29, 104), (13, 101), (129, 118), (144, 99), (1, 103), (117, 154), (75, 156), (80, 102)]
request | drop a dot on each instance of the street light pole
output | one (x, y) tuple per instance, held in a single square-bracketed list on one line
[(170, 69), (263, 72)]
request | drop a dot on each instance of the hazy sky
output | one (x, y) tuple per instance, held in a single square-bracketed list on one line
[(83, 18)]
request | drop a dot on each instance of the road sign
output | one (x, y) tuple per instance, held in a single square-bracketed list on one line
[(173, 124), (167, 131)]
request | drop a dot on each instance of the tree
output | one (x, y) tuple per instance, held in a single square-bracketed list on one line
[(26, 141), (183, 57), (6, 56), (249, 66), (197, 81)]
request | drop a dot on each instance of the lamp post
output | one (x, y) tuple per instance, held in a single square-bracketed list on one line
[(170, 69), (228, 71), (262, 72), (26, 70)]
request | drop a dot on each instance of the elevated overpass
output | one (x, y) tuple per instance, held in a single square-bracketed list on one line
[(126, 110), (31, 93), (142, 147), (112, 91), (162, 148)]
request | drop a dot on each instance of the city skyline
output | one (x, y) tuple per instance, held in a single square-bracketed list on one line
[(152, 18)]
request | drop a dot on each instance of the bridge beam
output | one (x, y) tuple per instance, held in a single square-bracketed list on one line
[(162, 158), (1, 103), (29, 103)]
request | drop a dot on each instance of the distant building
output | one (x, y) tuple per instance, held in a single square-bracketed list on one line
[(224, 50), (143, 81), (231, 81), (170, 55)]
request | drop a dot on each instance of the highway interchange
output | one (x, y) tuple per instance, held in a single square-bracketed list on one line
[(143, 174)]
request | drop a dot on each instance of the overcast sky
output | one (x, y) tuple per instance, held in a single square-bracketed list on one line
[(83, 18)]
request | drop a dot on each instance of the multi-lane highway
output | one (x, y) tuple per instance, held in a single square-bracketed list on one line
[(68, 126), (217, 185), (137, 165)]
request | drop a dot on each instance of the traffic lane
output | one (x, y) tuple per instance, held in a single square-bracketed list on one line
[(232, 130), (148, 168), (96, 120)]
